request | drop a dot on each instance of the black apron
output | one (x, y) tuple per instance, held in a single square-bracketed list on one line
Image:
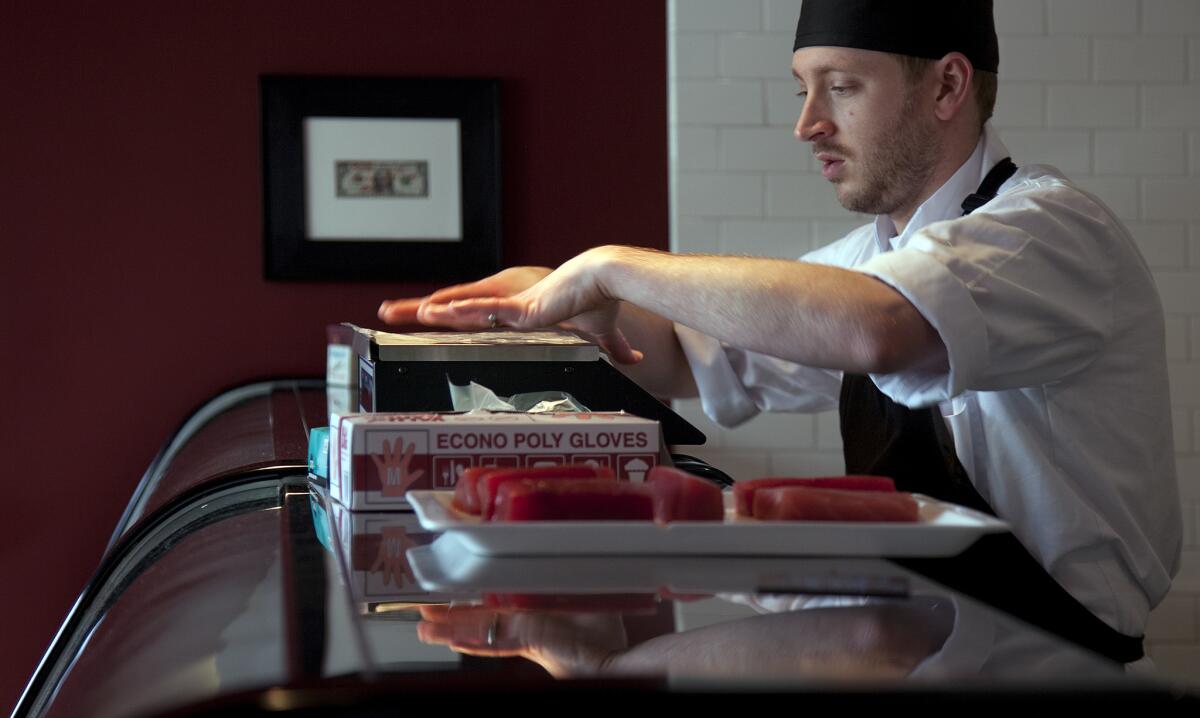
[(915, 448)]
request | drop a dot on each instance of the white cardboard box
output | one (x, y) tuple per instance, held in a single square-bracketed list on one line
[(374, 547), (376, 458)]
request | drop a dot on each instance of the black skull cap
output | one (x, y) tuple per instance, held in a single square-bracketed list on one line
[(919, 28)]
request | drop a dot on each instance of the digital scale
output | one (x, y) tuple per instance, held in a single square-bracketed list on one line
[(412, 372)]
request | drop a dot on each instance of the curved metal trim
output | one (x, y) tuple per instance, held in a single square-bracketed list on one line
[(203, 414), (33, 699)]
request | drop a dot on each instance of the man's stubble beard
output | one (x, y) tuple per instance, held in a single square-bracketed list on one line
[(895, 170)]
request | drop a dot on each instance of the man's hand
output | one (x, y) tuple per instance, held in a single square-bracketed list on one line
[(566, 645), (502, 284), (528, 298)]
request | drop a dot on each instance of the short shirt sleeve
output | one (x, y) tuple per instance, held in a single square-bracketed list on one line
[(1020, 292), (736, 385)]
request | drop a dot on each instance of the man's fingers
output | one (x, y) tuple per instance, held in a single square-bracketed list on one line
[(618, 347), (429, 310), (440, 315), (442, 613), (469, 637), (408, 311), (400, 311), (476, 313), (434, 612), (486, 287), (458, 628)]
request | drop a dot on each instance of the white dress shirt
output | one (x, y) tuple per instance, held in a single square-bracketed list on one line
[(1056, 392)]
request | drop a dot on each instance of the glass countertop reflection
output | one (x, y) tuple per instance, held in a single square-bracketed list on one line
[(691, 621), (270, 584), (233, 583)]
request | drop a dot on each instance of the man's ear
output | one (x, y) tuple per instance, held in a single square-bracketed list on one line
[(953, 74)]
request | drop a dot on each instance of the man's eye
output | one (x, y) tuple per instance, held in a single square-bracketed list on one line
[(801, 94)]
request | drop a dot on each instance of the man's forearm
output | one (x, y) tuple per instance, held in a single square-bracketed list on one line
[(811, 314), (664, 371), (870, 642)]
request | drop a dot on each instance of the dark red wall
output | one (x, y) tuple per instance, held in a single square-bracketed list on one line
[(130, 210)]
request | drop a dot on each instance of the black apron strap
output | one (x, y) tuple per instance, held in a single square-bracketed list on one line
[(990, 185), (915, 448)]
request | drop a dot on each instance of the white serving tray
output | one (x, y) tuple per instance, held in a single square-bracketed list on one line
[(446, 566), (943, 530)]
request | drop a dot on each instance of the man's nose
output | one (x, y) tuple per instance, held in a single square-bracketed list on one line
[(813, 123)]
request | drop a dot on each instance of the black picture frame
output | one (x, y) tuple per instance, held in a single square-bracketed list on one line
[(289, 253)]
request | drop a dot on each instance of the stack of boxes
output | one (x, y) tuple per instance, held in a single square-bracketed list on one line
[(371, 460)]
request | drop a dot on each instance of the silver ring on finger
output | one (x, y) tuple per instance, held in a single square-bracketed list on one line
[(492, 320)]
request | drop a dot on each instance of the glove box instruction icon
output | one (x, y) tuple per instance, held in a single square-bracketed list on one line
[(633, 468)]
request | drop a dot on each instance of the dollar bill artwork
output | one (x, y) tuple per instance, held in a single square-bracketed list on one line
[(366, 178)]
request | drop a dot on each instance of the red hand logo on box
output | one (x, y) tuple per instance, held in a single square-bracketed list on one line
[(394, 475), (392, 561)]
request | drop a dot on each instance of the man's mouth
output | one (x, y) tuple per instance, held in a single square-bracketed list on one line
[(831, 165)]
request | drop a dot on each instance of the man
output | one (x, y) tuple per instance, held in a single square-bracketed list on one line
[(993, 338)]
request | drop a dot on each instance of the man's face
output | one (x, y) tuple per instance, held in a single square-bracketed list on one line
[(874, 139)]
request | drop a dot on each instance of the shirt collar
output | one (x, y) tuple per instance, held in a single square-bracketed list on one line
[(946, 202)]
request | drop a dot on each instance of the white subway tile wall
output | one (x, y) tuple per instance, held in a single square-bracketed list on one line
[(1141, 152), (1167, 198), (1181, 421), (1068, 150), (1107, 90), (696, 236), (696, 56), (765, 238), (1119, 193), (1026, 106), (697, 148), (1177, 337), (1063, 58), (1091, 17), (1140, 59), (1170, 17), (1091, 105), (1164, 245), (1020, 17), (759, 148), (1189, 470), (1171, 105), (752, 55)]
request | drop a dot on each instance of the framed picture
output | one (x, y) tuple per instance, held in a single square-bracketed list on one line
[(380, 178)]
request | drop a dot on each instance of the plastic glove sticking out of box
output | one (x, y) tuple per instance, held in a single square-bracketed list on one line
[(475, 397)]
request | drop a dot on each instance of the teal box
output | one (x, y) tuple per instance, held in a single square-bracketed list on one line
[(320, 521), (318, 452)]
